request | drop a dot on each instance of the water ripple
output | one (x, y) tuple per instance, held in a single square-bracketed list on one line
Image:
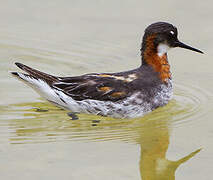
[(41, 122)]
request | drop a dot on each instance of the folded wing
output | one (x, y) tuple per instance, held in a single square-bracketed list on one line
[(94, 86)]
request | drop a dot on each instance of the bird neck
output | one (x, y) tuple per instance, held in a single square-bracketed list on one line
[(151, 56)]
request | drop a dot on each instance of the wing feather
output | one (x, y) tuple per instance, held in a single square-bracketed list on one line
[(94, 86)]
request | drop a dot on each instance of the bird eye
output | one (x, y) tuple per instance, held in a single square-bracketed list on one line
[(172, 32)]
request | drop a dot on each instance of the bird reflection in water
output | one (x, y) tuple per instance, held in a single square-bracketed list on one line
[(151, 132), (154, 142)]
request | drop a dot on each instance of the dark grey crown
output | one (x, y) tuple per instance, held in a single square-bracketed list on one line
[(160, 27)]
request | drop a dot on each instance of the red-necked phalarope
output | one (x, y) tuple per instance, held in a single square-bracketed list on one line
[(126, 94)]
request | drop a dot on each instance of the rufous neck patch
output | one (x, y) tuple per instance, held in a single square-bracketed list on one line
[(159, 63)]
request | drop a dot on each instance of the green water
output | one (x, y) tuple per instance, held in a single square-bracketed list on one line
[(39, 140)]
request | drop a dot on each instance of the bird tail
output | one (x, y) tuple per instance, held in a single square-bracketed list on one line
[(36, 79), (41, 83), (33, 74)]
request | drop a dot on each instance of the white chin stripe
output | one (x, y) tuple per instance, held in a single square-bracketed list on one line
[(162, 49)]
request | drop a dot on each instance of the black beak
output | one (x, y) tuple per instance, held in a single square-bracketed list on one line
[(182, 45)]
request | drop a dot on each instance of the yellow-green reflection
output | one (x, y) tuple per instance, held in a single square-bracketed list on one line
[(42, 122), (154, 142)]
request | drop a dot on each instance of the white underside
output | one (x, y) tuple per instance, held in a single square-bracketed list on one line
[(131, 107)]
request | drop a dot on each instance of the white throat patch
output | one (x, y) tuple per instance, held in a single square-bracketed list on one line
[(162, 49)]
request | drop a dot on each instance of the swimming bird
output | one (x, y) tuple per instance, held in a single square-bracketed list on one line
[(127, 94)]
